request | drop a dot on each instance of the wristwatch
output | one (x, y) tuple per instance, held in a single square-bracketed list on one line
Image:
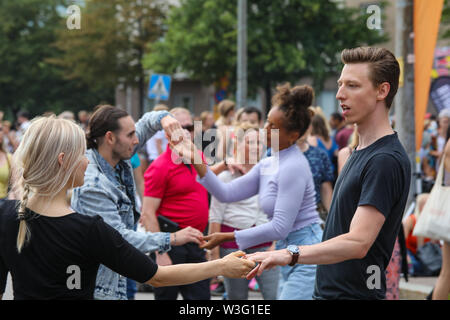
[(295, 253)]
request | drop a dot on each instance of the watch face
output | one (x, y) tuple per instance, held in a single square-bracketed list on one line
[(292, 248)]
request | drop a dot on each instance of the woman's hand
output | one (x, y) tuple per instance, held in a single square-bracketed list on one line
[(172, 128), (216, 239), (186, 235), (182, 145), (235, 265)]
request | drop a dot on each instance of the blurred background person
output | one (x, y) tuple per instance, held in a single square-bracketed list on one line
[(224, 127), (322, 172), (23, 122), (10, 142), (83, 119), (320, 137), (5, 166), (156, 145), (342, 131), (172, 191)]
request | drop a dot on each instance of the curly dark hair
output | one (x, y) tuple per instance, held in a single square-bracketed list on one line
[(295, 103)]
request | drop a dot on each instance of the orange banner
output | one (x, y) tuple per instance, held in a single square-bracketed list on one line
[(427, 16)]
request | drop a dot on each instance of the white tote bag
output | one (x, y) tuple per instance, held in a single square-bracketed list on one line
[(434, 221)]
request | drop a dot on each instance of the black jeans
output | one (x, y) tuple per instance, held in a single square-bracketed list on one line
[(188, 253)]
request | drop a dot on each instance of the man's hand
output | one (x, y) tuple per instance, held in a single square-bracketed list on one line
[(268, 260), (216, 239), (186, 235)]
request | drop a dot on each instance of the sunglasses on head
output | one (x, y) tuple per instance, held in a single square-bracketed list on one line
[(189, 127)]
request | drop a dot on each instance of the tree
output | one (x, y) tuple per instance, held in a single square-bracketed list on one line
[(109, 47), (287, 40), (28, 81)]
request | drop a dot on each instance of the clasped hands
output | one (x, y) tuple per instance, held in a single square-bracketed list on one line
[(264, 260)]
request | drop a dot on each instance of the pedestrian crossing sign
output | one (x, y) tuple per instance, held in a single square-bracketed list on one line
[(159, 87)]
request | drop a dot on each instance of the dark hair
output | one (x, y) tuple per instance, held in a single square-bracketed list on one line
[(295, 103), (24, 114), (337, 116), (383, 66), (249, 110), (105, 118)]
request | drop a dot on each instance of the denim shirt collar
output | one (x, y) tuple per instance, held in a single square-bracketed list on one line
[(106, 168)]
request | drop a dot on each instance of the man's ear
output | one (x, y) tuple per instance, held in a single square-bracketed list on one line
[(110, 137), (383, 90)]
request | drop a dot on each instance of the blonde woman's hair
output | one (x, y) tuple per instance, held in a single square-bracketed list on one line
[(36, 167)]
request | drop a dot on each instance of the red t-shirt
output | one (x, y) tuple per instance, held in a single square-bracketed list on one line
[(183, 199)]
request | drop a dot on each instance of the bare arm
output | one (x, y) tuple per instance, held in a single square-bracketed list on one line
[(148, 217), (214, 227), (230, 266), (447, 156), (364, 229), (326, 194)]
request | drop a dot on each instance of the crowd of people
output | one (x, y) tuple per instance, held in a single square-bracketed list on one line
[(186, 204)]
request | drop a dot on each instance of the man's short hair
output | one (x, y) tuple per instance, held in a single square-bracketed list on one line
[(249, 110), (384, 67)]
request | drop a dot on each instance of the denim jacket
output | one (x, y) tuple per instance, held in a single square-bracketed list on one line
[(102, 194)]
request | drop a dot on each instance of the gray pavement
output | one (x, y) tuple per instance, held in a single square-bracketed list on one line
[(417, 288)]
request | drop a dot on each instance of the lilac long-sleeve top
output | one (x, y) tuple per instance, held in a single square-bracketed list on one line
[(285, 186)]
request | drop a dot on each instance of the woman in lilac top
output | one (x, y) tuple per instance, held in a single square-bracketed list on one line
[(285, 186)]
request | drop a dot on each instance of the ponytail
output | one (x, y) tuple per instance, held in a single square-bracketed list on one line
[(24, 233)]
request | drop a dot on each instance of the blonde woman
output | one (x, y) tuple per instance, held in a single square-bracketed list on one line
[(53, 252)]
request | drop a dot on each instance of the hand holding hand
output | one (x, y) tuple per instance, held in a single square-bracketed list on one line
[(216, 239), (235, 265), (268, 260)]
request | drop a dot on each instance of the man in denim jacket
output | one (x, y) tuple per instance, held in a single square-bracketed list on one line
[(109, 188)]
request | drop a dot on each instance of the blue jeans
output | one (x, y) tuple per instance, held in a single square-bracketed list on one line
[(237, 289), (297, 282)]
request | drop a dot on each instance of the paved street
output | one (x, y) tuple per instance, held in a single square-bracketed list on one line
[(414, 289)]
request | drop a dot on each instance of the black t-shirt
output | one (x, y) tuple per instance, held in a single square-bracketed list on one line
[(379, 176), (63, 255)]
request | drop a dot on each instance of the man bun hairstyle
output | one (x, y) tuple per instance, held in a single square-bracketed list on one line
[(105, 118), (295, 103), (383, 66)]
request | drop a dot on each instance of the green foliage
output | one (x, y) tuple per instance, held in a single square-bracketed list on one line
[(445, 21), (287, 40), (108, 48), (27, 80)]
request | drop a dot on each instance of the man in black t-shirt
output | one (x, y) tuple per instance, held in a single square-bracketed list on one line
[(370, 194)]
